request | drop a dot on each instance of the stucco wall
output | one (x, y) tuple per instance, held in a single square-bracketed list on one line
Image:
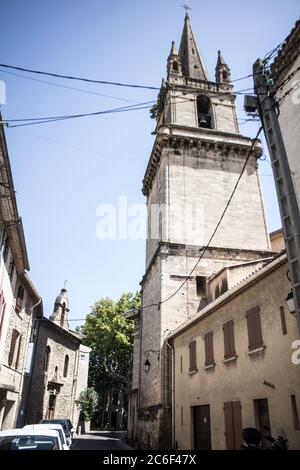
[(242, 379)]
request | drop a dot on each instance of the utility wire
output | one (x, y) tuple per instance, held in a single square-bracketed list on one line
[(60, 85), (82, 79)]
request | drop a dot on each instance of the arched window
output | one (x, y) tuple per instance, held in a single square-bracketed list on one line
[(66, 366), (203, 111), (175, 66), (20, 297), (47, 358), (225, 75)]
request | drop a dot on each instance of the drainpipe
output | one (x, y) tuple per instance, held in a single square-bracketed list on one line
[(173, 394)]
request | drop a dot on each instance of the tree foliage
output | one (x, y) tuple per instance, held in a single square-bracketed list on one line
[(110, 336), (88, 403)]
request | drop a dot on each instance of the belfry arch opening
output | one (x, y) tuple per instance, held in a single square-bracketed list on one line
[(175, 66), (203, 111)]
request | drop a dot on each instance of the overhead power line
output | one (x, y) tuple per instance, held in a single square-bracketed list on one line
[(90, 80), (82, 79)]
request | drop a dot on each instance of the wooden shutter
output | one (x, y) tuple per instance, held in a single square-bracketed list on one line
[(229, 345), (233, 425), (254, 328), (209, 349), (193, 359), (283, 322), (229, 432), (14, 338)]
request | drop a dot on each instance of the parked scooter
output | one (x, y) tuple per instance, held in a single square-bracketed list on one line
[(251, 439), (281, 443)]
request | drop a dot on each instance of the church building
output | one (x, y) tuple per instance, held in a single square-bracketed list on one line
[(197, 158), (59, 367)]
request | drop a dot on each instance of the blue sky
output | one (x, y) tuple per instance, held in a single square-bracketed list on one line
[(63, 171)]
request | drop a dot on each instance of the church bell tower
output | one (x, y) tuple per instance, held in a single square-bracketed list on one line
[(197, 157)]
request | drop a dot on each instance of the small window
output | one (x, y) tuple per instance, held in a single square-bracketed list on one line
[(11, 270), (175, 66), (209, 349), (225, 76), (20, 297), (56, 372), (181, 368), (229, 346), (254, 328), (5, 249), (66, 366), (283, 322), (14, 352), (2, 310), (201, 285), (193, 358), (295, 412), (47, 358), (217, 292)]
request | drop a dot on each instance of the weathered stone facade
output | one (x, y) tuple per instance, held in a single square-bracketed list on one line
[(60, 368), (18, 298), (196, 160)]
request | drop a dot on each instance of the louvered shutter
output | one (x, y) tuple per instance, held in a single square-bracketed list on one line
[(193, 360)]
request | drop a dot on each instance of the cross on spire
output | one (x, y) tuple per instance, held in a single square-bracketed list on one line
[(65, 284), (186, 6)]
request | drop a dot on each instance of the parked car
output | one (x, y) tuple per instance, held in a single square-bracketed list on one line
[(31, 439), (66, 424), (57, 427)]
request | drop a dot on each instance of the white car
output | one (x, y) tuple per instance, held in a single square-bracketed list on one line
[(65, 442), (31, 439)]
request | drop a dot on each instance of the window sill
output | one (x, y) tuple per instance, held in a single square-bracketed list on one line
[(192, 372), (209, 366), (257, 350), (230, 359)]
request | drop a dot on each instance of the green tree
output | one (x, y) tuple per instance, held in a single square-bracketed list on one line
[(88, 403), (109, 334)]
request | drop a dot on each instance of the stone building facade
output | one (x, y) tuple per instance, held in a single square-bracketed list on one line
[(60, 367), (19, 300), (197, 156), (231, 372)]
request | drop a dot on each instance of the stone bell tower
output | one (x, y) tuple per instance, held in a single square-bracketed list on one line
[(61, 310), (197, 157)]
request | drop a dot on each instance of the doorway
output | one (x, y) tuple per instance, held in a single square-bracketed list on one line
[(262, 417), (233, 425), (202, 432), (51, 406)]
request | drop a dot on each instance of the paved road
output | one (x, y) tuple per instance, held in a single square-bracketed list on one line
[(100, 440)]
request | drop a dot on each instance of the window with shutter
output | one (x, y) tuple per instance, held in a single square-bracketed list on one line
[(20, 297), (2, 310), (193, 359), (209, 349), (229, 344), (254, 328), (283, 322), (14, 348)]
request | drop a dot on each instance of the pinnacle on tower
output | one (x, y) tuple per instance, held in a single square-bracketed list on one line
[(222, 70)]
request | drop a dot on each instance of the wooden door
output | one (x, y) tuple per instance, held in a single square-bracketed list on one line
[(263, 418), (202, 432), (233, 425)]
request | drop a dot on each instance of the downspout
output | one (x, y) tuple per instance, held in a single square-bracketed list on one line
[(173, 394), (33, 360)]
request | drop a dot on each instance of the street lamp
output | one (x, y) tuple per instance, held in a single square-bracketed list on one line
[(291, 302), (147, 364)]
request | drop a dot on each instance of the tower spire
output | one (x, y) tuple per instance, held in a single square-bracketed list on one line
[(61, 309), (191, 60)]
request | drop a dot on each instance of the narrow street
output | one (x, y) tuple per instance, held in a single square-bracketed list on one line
[(100, 440)]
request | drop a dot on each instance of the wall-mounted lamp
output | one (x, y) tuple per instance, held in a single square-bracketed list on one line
[(290, 302), (147, 364)]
